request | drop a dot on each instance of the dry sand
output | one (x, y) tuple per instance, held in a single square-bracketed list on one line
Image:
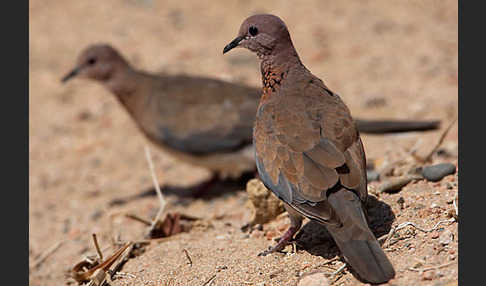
[(85, 151)]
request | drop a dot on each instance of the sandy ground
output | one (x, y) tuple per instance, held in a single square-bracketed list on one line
[(387, 59)]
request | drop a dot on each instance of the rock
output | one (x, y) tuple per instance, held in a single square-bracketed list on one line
[(264, 204), (401, 201), (313, 279), (435, 173), (446, 237), (434, 205), (372, 175), (394, 185), (428, 275), (256, 234)]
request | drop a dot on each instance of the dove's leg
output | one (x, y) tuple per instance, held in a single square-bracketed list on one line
[(295, 224)]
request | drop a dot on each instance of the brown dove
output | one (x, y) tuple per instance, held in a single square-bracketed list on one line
[(202, 121), (308, 149)]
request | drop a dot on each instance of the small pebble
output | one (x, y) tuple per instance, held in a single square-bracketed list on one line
[(401, 201), (435, 173), (270, 234), (451, 185), (451, 213), (313, 279), (446, 237), (256, 233), (221, 267), (428, 275), (258, 226)]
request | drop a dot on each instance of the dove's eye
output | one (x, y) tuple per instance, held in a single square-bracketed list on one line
[(253, 30), (91, 61)]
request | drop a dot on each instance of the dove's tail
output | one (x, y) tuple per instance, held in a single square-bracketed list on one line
[(392, 126), (356, 241)]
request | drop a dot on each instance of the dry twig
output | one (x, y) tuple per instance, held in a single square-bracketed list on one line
[(95, 241), (403, 225), (120, 274), (337, 272), (387, 237), (139, 219), (157, 189), (393, 230), (188, 257), (41, 258), (97, 274), (329, 261), (441, 139), (432, 268), (209, 281)]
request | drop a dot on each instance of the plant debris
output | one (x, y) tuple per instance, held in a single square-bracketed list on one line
[(41, 258), (96, 272), (428, 157), (172, 223), (157, 189)]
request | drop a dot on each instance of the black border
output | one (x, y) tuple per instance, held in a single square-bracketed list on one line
[(14, 123), (471, 144)]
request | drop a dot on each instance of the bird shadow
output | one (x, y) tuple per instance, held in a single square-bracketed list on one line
[(205, 190), (315, 239)]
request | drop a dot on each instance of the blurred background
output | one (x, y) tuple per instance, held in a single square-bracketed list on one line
[(386, 59)]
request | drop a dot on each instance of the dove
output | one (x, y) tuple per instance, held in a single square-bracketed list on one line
[(202, 121), (308, 149)]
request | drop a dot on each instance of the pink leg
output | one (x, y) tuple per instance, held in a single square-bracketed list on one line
[(295, 224)]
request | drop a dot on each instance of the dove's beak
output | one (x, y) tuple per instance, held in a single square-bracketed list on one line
[(70, 75), (233, 44)]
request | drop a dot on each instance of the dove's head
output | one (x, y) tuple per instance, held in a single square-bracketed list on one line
[(99, 62), (263, 34)]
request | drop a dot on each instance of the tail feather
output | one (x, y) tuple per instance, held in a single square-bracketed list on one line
[(356, 241), (391, 126)]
